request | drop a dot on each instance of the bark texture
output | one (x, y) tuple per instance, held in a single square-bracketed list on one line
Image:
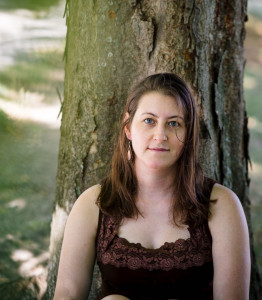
[(113, 44)]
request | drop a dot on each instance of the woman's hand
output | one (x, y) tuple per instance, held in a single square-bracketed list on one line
[(115, 297)]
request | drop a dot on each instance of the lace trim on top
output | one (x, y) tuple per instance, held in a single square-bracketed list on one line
[(181, 254)]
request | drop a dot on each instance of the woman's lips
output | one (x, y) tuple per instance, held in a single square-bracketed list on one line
[(158, 149)]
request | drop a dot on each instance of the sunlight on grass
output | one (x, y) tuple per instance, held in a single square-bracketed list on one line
[(18, 203), (250, 82), (38, 73), (21, 255), (256, 169), (20, 95), (30, 264), (33, 274), (28, 89), (35, 111), (254, 124)]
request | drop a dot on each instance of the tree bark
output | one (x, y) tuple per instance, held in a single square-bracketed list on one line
[(113, 44)]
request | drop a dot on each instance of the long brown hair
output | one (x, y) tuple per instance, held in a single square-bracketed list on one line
[(119, 189)]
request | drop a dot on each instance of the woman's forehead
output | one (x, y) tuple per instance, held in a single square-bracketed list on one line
[(158, 102)]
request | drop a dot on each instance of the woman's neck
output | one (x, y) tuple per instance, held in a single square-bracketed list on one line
[(154, 186)]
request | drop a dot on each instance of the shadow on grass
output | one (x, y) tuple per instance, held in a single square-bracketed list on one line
[(28, 159)]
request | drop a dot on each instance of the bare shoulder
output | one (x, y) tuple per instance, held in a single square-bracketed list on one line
[(227, 203), (227, 209), (227, 221), (87, 200), (230, 245), (85, 207)]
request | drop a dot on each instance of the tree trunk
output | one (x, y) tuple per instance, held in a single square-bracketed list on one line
[(113, 44)]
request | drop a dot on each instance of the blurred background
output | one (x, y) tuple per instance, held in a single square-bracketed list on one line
[(32, 40), (253, 97)]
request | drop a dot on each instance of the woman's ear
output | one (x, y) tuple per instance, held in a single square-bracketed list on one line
[(127, 127)]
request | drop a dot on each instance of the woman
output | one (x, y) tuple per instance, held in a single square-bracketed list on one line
[(158, 227)]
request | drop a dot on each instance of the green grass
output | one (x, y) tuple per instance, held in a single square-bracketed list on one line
[(34, 5), (38, 72), (28, 159)]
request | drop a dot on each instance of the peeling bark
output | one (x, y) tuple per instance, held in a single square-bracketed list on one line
[(113, 44)]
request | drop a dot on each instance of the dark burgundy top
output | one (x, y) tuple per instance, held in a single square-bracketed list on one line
[(179, 270)]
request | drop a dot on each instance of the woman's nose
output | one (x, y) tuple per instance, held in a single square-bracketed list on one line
[(160, 135)]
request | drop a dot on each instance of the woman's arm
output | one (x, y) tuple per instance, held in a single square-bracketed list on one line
[(78, 250), (231, 253)]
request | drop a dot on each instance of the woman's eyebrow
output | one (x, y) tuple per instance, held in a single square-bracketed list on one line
[(171, 117)]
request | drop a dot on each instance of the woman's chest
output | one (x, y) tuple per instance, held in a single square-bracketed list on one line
[(152, 232), (129, 250)]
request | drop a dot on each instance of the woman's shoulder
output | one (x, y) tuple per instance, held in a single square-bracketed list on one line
[(223, 196), (226, 209), (86, 204), (90, 195), (230, 244)]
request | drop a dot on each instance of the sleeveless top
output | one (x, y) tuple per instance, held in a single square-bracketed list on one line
[(182, 269)]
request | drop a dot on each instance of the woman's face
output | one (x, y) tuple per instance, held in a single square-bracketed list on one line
[(157, 131)]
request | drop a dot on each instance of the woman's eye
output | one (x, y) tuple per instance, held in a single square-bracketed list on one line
[(149, 121), (174, 124)]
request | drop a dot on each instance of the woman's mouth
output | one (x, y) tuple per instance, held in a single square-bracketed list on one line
[(159, 149)]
